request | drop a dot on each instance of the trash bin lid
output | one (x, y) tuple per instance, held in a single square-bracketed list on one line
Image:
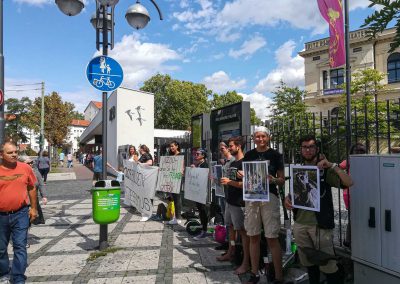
[(106, 184)]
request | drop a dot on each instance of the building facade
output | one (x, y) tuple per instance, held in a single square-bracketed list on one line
[(322, 83), (75, 130)]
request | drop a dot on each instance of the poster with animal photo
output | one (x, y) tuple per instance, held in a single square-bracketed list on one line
[(255, 181), (217, 175), (304, 187)]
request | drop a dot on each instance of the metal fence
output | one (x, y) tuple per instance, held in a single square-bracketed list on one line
[(376, 125)]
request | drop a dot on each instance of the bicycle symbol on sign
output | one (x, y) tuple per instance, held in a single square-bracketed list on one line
[(103, 81)]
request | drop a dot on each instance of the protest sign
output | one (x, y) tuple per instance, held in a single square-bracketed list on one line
[(140, 183), (196, 184), (255, 181), (305, 187), (170, 174), (217, 175)]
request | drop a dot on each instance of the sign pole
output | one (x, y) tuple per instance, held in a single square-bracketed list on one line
[(2, 122), (103, 239)]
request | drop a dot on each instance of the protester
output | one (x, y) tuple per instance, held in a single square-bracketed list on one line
[(69, 159), (61, 157), (17, 191), (43, 165), (313, 231), (132, 154), (266, 213), (200, 162), (357, 148), (145, 156), (234, 211), (175, 150), (228, 158)]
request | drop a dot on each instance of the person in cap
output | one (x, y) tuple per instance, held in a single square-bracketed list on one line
[(265, 213)]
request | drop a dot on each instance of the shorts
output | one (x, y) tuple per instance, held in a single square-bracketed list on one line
[(263, 213), (312, 237), (234, 215)]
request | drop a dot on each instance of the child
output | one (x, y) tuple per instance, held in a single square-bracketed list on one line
[(167, 213)]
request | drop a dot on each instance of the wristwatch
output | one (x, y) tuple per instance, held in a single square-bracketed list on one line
[(333, 165)]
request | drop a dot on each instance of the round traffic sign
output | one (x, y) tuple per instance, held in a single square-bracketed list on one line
[(104, 73)]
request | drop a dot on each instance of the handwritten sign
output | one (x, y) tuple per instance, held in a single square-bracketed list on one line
[(140, 183), (170, 175), (196, 184)]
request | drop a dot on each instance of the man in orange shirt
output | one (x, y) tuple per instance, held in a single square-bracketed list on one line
[(17, 191)]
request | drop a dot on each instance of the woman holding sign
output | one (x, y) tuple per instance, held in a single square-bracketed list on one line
[(147, 159), (200, 162), (133, 154), (175, 150)]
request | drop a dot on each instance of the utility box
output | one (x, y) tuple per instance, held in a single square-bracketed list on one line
[(106, 204), (375, 218)]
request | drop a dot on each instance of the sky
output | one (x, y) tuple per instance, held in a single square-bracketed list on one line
[(243, 45)]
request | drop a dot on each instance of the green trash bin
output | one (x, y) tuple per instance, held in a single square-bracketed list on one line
[(106, 201)]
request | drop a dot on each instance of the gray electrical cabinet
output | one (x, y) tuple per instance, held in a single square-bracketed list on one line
[(375, 218)]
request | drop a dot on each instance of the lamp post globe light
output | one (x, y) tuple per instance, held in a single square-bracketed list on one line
[(104, 17)]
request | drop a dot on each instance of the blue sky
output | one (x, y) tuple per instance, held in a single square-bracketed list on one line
[(242, 45)]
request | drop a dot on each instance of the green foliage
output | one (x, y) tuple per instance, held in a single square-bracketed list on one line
[(30, 152), (58, 116), (380, 19), (77, 115), (176, 101), (14, 127)]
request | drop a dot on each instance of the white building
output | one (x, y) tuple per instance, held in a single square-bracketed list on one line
[(75, 130), (130, 120)]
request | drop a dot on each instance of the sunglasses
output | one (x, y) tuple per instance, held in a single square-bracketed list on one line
[(197, 154)]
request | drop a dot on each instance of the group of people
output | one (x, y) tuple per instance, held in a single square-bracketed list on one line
[(247, 220)]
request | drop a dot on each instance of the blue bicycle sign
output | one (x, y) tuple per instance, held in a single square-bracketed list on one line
[(104, 73)]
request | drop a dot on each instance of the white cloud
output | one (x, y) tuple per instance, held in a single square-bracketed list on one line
[(220, 83), (259, 102), (141, 60), (289, 69), (249, 47)]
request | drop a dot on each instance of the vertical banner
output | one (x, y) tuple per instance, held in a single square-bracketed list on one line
[(305, 187), (170, 175), (255, 181), (332, 12), (196, 184), (140, 183), (217, 175)]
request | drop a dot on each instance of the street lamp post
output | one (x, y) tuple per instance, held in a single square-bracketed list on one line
[(2, 122), (103, 21)]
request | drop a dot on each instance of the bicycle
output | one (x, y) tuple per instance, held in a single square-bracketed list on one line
[(103, 81)]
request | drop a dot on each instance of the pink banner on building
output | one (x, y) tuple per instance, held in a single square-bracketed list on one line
[(332, 11)]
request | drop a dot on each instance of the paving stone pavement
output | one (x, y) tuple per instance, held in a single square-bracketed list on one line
[(146, 252)]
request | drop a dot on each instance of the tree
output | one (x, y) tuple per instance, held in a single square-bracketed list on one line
[(16, 122), (57, 119), (77, 115), (380, 19), (175, 101)]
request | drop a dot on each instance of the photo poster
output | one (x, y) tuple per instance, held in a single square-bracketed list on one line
[(139, 186), (170, 174), (255, 181), (196, 184), (305, 187), (217, 175)]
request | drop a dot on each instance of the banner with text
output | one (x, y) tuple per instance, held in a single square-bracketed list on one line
[(196, 184), (140, 183), (170, 175)]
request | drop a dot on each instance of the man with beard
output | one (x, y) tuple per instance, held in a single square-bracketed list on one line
[(313, 231), (234, 210), (17, 191), (265, 213)]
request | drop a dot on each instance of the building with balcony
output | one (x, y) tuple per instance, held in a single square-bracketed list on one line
[(322, 83)]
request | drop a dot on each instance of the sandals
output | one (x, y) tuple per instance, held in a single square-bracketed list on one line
[(254, 279)]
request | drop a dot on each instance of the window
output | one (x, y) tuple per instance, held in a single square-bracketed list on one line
[(315, 58), (337, 78), (325, 80), (357, 49), (393, 67)]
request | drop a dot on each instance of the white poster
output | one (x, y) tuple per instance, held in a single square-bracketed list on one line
[(217, 175), (170, 175), (196, 184), (304, 187), (255, 181), (140, 183)]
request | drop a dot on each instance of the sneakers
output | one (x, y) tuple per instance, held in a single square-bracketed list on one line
[(200, 236), (172, 222), (144, 219), (4, 279)]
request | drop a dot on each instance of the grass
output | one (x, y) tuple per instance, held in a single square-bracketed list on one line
[(54, 170), (95, 255)]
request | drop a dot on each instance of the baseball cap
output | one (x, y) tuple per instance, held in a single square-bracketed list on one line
[(261, 129)]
